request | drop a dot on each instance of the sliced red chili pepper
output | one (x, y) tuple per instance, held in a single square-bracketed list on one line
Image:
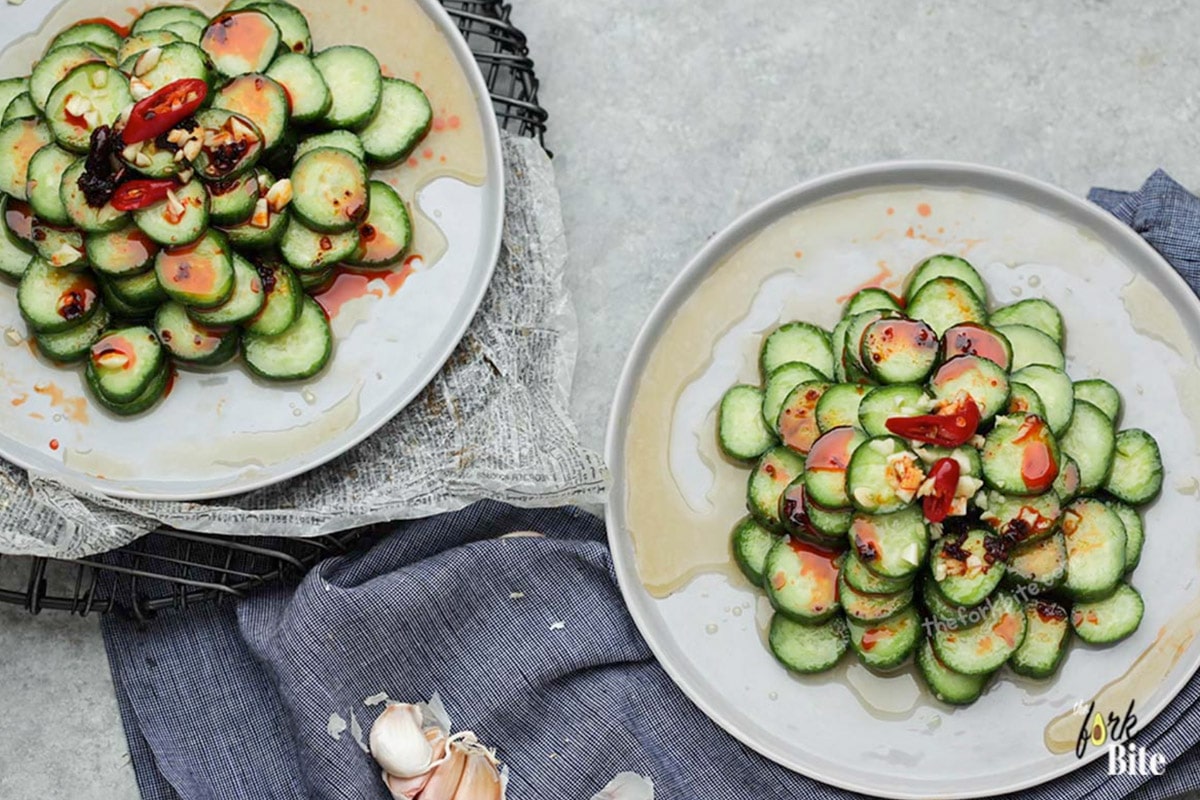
[(163, 110), (136, 195), (944, 473), (943, 430)]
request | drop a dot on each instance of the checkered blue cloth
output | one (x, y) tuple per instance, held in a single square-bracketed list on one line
[(234, 702)]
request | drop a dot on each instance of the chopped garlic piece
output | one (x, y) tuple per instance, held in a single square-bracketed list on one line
[(147, 61), (911, 555), (967, 486), (279, 195)]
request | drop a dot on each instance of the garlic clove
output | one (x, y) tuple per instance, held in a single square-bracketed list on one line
[(627, 786), (406, 788), (480, 780), (444, 780), (398, 742)]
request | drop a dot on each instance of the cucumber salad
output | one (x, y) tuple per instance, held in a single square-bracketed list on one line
[(926, 480), (173, 194)]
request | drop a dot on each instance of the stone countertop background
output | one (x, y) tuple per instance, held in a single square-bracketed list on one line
[(670, 119)]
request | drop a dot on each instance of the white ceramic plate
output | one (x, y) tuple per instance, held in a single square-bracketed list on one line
[(1129, 318), (223, 433)]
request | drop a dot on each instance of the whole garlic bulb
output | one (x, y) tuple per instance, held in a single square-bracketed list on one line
[(399, 743)]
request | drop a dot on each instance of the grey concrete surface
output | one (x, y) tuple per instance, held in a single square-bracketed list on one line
[(671, 118)]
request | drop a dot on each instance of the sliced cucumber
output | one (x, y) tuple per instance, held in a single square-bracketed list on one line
[(946, 266), (330, 190), (888, 402), (43, 180), (1067, 484), (282, 306), (20, 140), (1102, 394), (1045, 641), (82, 214), (1109, 620), (234, 144), (1041, 564), (780, 384), (298, 353), (887, 644), (155, 391), (968, 567), (1056, 391), (1020, 456), (74, 344), (872, 608), (1137, 470), (53, 300), (311, 99), (1020, 520), (741, 431), (186, 31), (750, 543), (797, 423), (898, 350), (385, 235), (860, 578), (306, 250), (1135, 533), (159, 16), (57, 65), (293, 27), (1095, 538), (883, 476), (11, 89), (189, 342), (241, 42), (127, 251), (851, 345), (179, 222), (137, 291), (15, 251), (260, 100), (123, 364), (1031, 346), (946, 302), (870, 299), (948, 686), (21, 107), (825, 466), (139, 43), (1090, 441), (231, 202), (801, 581), (941, 609), (1024, 402), (342, 140), (1034, 312), (243, 305), (973, 339), (60, 247), (353, 77), (838, 342), (890, 545), (975, 377), (983, 647), (797, 341), (827, 527), (808, 649), (252, 235), (103, 93), (93, 33), (177, 61), (199, 275), (314, 283), (404, 119), (839, 406), (777, 468)]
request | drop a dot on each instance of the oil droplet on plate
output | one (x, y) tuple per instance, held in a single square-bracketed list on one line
[(309, 397), (296, 412), (1034, 281), (710, 629), (773, 696), (737, 611), (1016, 291)]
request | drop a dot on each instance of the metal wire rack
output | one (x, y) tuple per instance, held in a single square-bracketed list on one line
[(174, 569)]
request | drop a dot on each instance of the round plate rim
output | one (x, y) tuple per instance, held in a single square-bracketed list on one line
[(494, 187), (878, 174)]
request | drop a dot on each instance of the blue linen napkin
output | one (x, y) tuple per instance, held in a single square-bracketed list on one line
[(526, 640)]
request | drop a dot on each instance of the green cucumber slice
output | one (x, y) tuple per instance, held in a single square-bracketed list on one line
[(808, 649), (1137, 470), (404, 119), (244, 304), (1109, 620), (298, 353), (741, 431)]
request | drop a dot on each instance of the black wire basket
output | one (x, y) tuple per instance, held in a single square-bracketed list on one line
[(174, 569)]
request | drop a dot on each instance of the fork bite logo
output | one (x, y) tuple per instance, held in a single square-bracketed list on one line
[(1125, 757)]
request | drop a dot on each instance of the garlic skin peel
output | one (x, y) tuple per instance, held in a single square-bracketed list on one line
[(399, 743)]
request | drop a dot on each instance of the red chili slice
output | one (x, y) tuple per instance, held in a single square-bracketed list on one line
[(163, 110), (136, 195), (945, 472), (943, 430)]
